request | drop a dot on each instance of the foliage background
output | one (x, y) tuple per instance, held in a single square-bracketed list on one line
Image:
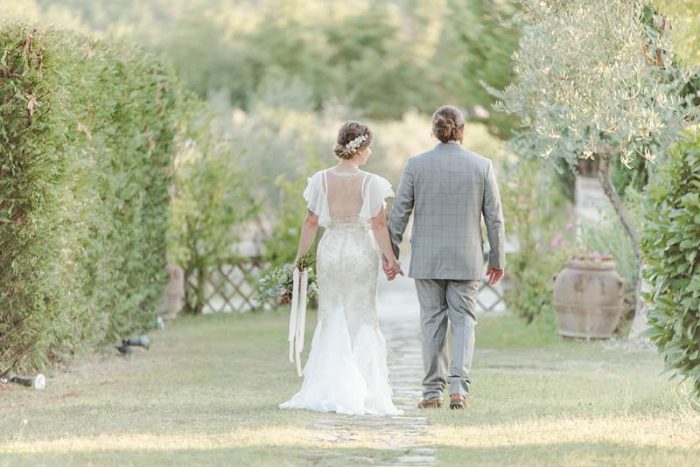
[(381, 57), (211, 200), (281, 76), (87, 133), (671, 246), (541, 223), (621, 103)]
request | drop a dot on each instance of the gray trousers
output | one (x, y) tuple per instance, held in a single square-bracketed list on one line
[(443, 301)]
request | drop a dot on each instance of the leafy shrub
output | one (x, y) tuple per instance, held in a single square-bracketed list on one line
[(608, 237), (385, 58), (536, 211), (281, 245), (87, 134), (211, 202), (279, 149), (671, 247)]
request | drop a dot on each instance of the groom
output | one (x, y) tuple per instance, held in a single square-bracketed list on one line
[(449, 188)]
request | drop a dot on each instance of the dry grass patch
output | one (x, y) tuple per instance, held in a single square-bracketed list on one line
[(682, 432), (566, 403)]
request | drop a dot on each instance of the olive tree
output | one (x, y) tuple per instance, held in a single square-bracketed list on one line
[(685, 34), (597, 80)]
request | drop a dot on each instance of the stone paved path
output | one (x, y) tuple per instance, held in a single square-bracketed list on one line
[(398, 316)]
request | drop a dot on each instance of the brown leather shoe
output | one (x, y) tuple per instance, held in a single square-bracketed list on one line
[(457, 401), (430, 404)]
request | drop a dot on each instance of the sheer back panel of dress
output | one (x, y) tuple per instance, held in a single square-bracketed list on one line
[(344, 191), (344, 198)]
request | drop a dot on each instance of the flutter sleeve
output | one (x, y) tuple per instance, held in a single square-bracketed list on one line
[(377, 190), (314, 193)]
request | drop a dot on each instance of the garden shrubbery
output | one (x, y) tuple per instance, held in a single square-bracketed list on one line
[(536, 211), (671, 248), (211, 205), (87, 136)]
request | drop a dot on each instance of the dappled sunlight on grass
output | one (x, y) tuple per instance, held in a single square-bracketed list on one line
[(660, 431), (540, 399), (207, 392), (249, 456), (250, 437), (265, 445)]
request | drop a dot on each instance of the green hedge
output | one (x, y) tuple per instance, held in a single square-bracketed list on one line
[(87, 137), (671, 247)]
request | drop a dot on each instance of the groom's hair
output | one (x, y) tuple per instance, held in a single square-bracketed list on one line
[(448, 124)]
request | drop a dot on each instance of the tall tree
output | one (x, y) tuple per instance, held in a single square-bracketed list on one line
[(606, 88), (477, 46), (685, 16)]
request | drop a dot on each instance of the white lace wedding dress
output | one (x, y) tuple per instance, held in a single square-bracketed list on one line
[(346, 371)]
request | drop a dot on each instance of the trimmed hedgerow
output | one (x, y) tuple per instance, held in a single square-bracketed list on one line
[(87, 138), (671, 246)]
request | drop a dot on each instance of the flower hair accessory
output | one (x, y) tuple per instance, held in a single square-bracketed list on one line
[(355, 143), (350, 148)]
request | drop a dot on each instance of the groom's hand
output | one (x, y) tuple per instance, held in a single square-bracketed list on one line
[(495, 275)]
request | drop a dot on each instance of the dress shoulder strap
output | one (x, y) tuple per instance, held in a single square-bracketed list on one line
[(365, 183)]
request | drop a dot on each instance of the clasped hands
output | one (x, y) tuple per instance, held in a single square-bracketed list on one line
[(392, 268)]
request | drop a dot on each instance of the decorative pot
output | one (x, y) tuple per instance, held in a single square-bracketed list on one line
[(588, 297)]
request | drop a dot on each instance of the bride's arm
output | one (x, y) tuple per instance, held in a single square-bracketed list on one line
[(381, 235), (308, 232)]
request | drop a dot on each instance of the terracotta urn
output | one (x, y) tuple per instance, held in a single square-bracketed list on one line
[(588, 297)]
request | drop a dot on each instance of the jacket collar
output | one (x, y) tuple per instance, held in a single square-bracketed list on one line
[(447, 144)]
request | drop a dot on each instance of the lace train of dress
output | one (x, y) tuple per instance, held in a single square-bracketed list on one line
[(343, 375), (346, 371)]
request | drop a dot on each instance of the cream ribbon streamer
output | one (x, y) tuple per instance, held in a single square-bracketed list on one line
[(297, 317)]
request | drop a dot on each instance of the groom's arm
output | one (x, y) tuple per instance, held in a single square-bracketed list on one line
[(493, 216), (403, 206)]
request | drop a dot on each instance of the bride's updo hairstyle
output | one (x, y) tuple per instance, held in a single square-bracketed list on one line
[(448, 124), (353, 137)]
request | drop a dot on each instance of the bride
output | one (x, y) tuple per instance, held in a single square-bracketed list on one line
[(346, 371)]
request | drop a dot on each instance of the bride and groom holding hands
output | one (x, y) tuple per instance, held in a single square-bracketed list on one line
[(448, 189)]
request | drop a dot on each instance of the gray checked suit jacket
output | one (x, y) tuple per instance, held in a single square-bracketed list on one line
[(449, 188)]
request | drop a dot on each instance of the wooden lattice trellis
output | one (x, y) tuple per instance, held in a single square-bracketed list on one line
[(489, 298), (230, 286)]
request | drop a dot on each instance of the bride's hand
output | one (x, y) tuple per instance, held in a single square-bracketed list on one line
[(386, 267), (392, 268)]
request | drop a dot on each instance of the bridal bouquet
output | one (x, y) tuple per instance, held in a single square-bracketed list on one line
[(276, 286), (287, 285)]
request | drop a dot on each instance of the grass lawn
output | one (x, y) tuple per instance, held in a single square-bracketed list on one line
[(207, 393), (540, 400)]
